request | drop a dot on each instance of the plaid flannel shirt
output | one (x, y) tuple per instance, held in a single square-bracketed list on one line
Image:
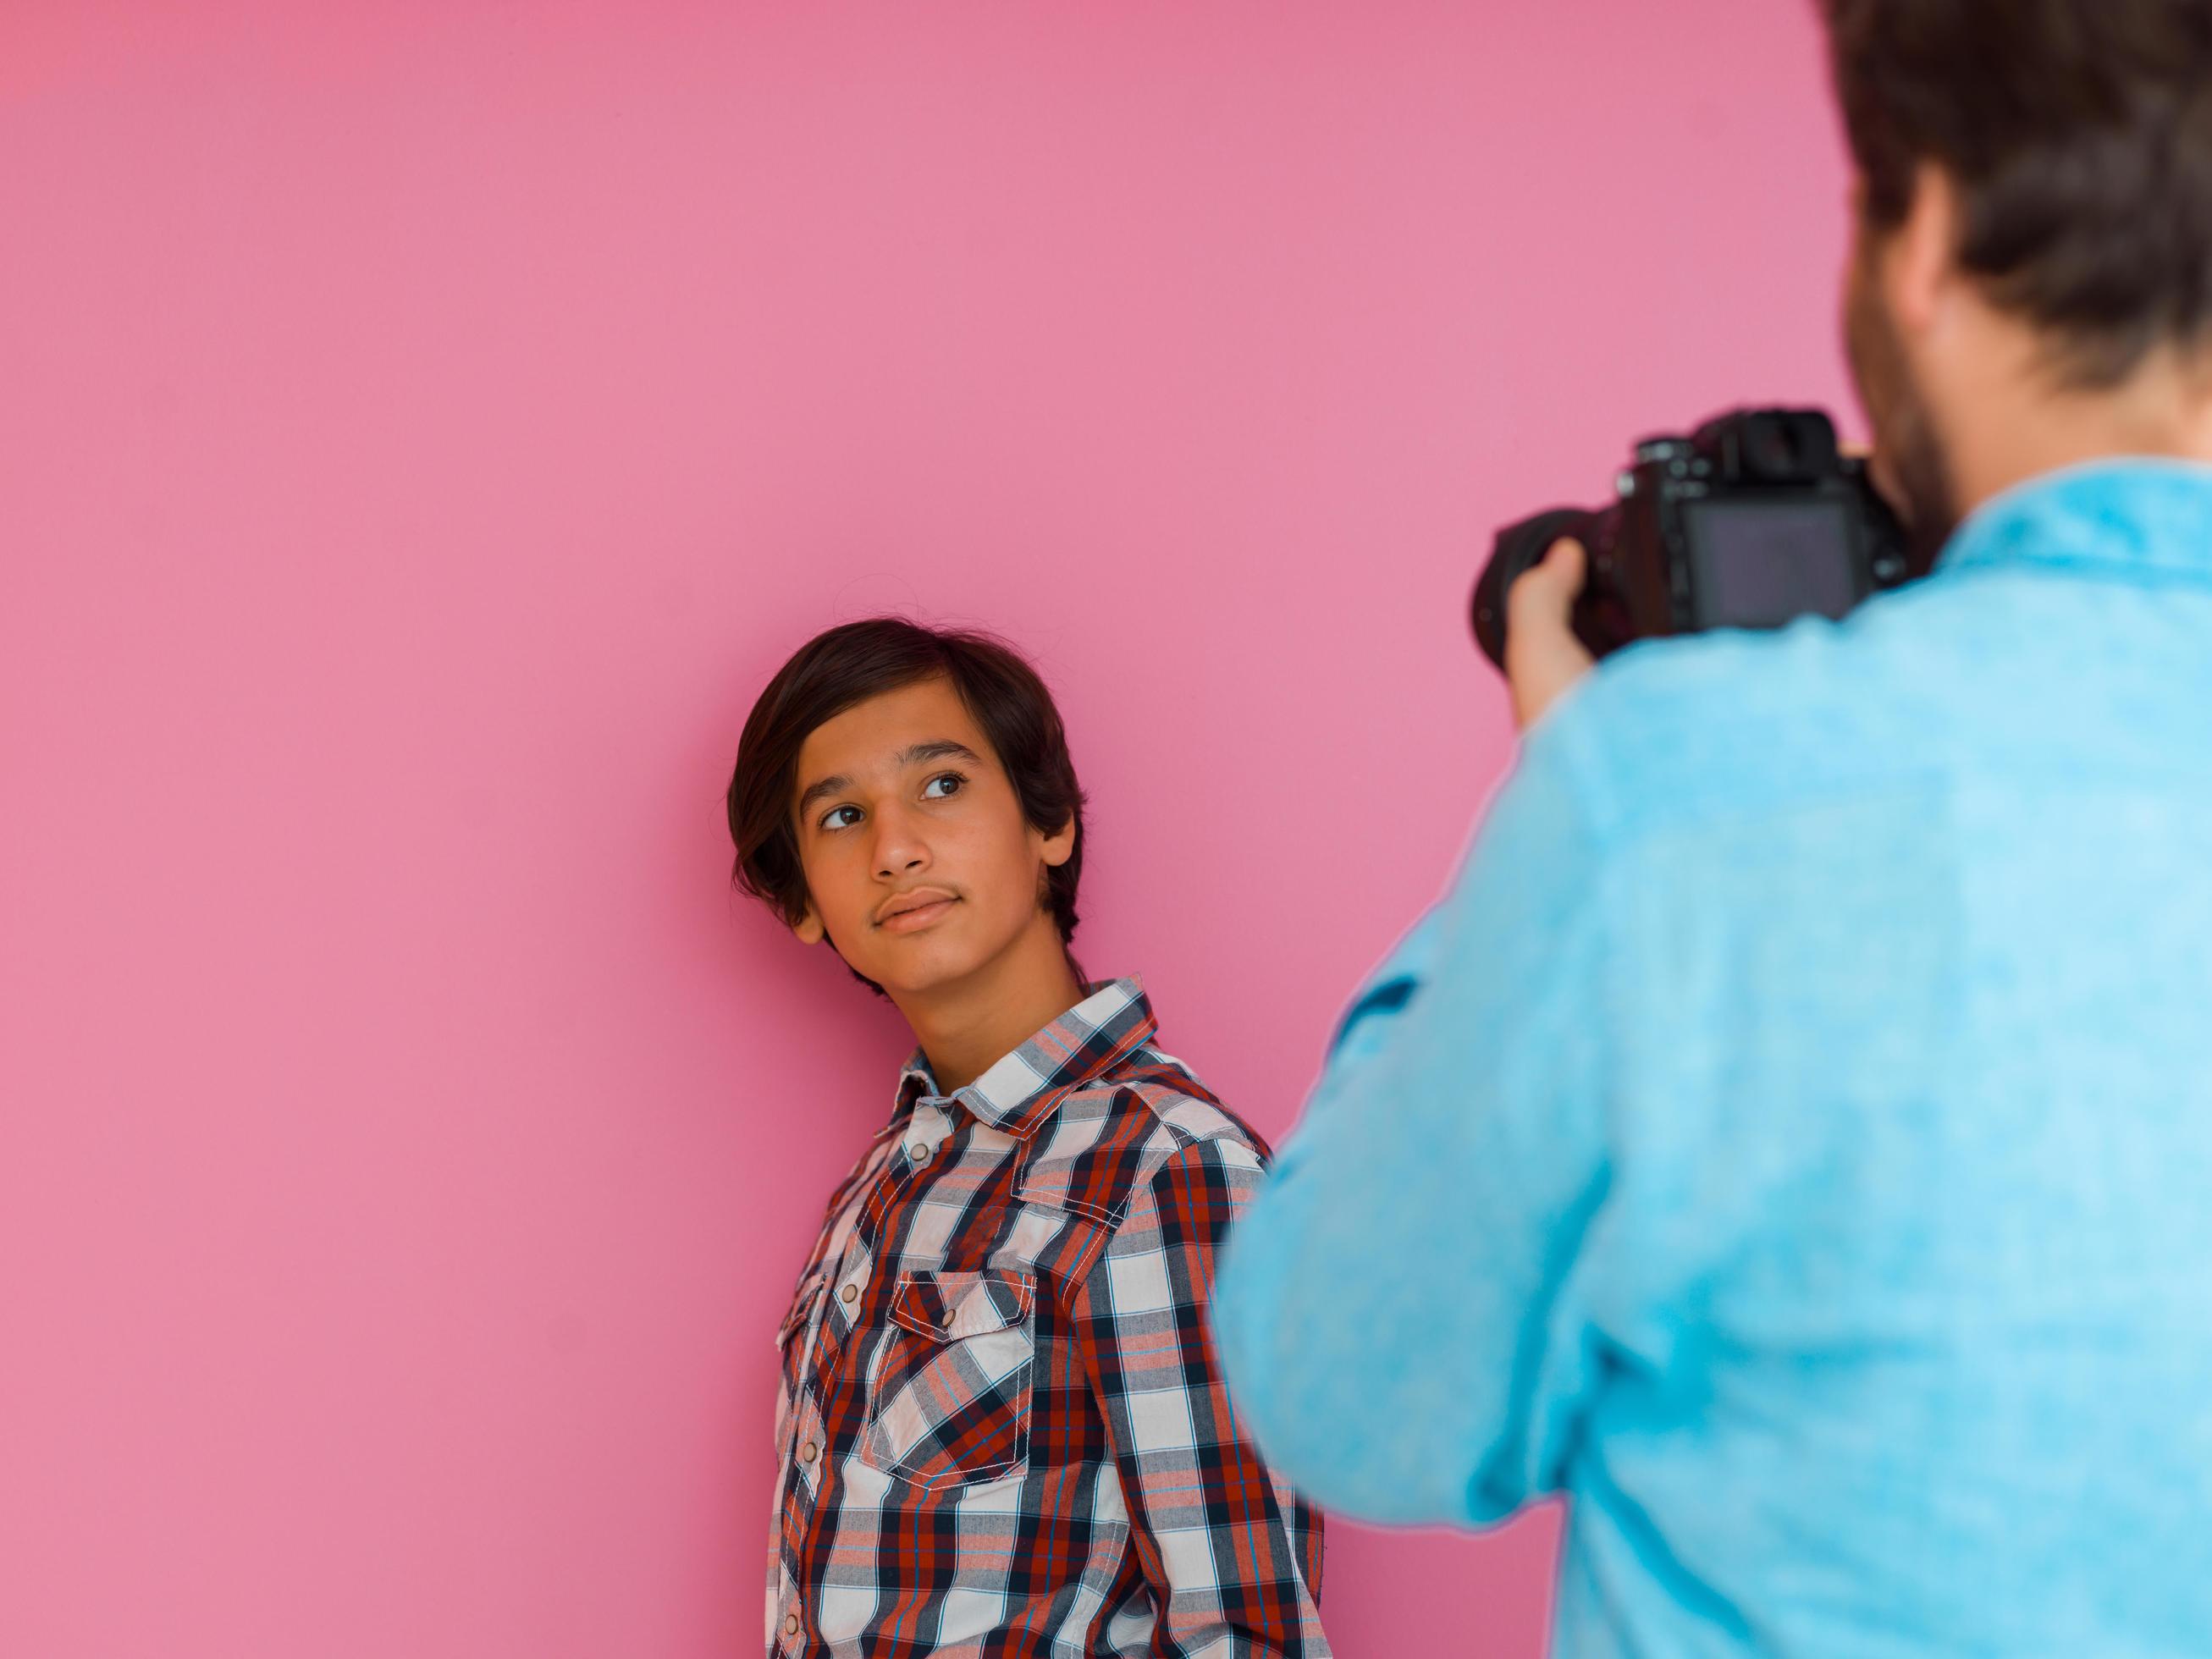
[(1000, 1428)]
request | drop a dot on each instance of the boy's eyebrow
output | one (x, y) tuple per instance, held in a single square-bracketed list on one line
[(912, 755), (820, 787), (937, 749)]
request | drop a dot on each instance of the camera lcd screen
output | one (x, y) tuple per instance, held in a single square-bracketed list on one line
[(1760, 564)]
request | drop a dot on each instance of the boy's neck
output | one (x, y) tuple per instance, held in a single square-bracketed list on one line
[(967, 1027)]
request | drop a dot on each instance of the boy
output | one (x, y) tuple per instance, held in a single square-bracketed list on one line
[(1000, 1426)]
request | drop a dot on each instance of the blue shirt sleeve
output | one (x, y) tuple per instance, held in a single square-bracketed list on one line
[(1402, 1313)]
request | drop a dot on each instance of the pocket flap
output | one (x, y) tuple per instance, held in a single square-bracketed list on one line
[(949, 1306)]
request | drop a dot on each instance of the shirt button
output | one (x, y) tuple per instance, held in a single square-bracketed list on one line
[(919, 1151), (808, 1452), (791, 1623), (849, 1293)]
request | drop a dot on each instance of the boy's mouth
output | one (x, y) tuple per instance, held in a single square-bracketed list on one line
[(904, 912)]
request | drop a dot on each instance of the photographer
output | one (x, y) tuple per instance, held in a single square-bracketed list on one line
[(1791, 1136)]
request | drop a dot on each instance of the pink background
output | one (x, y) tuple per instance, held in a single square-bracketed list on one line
[(423, 429)]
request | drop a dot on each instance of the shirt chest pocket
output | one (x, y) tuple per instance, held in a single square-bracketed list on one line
[(949, 1384)]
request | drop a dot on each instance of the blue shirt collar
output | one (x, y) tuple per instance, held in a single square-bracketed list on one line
[(2133, 517)]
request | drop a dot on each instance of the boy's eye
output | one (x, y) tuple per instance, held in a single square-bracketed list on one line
[(951, 784)]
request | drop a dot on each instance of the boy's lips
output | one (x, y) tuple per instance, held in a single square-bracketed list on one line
[(904, 912)]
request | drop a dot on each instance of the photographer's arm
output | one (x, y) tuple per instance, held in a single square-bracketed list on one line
[(1401, 1314)]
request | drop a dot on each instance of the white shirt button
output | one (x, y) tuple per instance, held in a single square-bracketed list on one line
[(850, 1293), (919, 1151), (791, 1623), (809, 1452)]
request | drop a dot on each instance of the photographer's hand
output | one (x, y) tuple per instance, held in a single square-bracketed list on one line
[(1543, 657)]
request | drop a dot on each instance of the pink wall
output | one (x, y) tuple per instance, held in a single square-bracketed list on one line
[(424, 429)]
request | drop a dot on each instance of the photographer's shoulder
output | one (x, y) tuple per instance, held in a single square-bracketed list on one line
[(1674, 731)]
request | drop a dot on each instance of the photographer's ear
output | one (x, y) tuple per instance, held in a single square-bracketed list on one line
[(1920, 259), (809, 927)]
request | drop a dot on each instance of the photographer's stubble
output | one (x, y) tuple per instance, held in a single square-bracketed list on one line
[(1964, 398), (924, 873), (1909, 466)]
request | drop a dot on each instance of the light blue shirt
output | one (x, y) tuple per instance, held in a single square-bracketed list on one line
[(1791, 1135)]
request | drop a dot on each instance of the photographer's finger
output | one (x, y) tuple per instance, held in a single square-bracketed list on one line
[(1545, 594), (1543, 657)]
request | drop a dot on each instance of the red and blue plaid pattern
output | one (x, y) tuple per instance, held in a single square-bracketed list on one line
[(1000, 1430)]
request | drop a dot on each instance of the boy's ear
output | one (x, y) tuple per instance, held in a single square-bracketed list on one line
[(1059, 847), (809, 926)]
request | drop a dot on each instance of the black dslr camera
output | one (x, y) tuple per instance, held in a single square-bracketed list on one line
[(1753, 520)]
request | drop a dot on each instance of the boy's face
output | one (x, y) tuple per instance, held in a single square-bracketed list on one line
[(920, 867)]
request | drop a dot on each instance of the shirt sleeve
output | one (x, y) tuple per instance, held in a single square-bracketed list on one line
[(1231, 1555), (1401, 1314)]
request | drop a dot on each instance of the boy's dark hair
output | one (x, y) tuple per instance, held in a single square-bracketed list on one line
[(846, 666), (2078, 133)]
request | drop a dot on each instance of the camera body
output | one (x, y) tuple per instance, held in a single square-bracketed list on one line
[(1753, 520)]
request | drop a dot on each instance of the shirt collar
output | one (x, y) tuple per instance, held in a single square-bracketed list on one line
[(2139, 517), (1023, 1088)]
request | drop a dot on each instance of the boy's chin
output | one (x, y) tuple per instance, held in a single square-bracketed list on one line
[(920, 973)]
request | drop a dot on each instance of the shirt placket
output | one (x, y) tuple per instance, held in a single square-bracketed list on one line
[(911, 1152), (829, 1332), (912, 1149)]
